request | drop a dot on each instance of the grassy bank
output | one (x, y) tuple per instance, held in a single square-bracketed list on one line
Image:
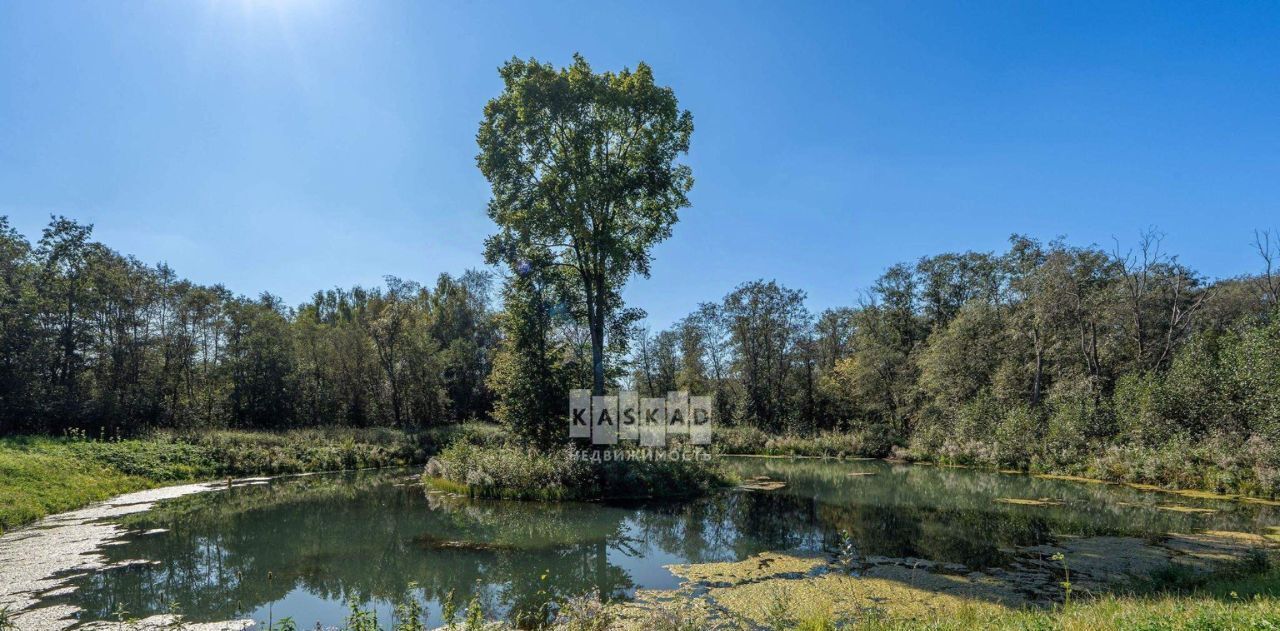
[(509, 472), (1112, 612), (1242, 598), (43, 475), (1218, 467)]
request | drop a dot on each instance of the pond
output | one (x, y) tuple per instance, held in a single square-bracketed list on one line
[(302, 547)]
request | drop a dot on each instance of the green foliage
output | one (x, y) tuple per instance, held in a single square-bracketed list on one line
[(530, 376), (359, 619), (40, 475), (1017, 436), (284, 624), (583, 172), (871, 442), (528, 474), (961, 359), (95, 342), (586, 613), (778, 615), (475, 616), (768, 323), (1066, 578), (449, 609), (1046, 358)]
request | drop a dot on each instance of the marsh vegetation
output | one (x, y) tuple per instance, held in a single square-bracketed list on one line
[(909, 542)]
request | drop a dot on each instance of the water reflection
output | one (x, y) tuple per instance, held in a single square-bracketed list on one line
[(303, 546)]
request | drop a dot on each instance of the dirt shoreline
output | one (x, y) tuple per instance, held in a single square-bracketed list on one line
[(40, 558)]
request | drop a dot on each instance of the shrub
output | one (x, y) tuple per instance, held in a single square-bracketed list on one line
[(871, 441), (516, 473), (1264, 456), (1017, 437), (740, 440)]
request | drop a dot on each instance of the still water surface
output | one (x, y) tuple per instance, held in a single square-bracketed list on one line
[(302, 547)]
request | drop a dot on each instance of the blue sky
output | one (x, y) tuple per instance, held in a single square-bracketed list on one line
[(293, 145)]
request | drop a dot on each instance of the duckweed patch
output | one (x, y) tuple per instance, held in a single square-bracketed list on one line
[(1179, 508), (911, 593)]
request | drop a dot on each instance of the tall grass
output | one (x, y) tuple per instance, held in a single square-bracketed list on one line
[(40, 477), (510, 472), (43, 475), (752, 441)]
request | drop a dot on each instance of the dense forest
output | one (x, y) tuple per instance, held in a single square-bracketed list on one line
[(101, 343), (1044, 351), (969, 341), (1125, 364)]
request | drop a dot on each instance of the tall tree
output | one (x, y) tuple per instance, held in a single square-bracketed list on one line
[(65, 254), (530, 375), (584, 175), (768, 323), (18, 330)]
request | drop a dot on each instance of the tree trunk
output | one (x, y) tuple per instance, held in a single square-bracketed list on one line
[(597, 356), (1035, 386), (596, 313)]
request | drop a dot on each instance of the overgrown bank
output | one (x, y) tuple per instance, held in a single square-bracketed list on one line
[(1126, 366), (512, 472), (43, 475), (1219, 465)]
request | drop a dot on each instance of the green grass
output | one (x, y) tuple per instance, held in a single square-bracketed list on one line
[(43, 475), (1169, 612), (1241, 597)]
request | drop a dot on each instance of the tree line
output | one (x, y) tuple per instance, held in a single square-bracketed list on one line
[(1044, 350), (95, 341)]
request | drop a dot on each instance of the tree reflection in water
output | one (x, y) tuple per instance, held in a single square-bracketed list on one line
[(368, 536)]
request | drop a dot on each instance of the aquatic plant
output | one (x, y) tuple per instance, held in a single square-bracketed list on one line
[(1066, 580), (475, 615), (408, 614), (847, 552), (359, 619), (284, 624)]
